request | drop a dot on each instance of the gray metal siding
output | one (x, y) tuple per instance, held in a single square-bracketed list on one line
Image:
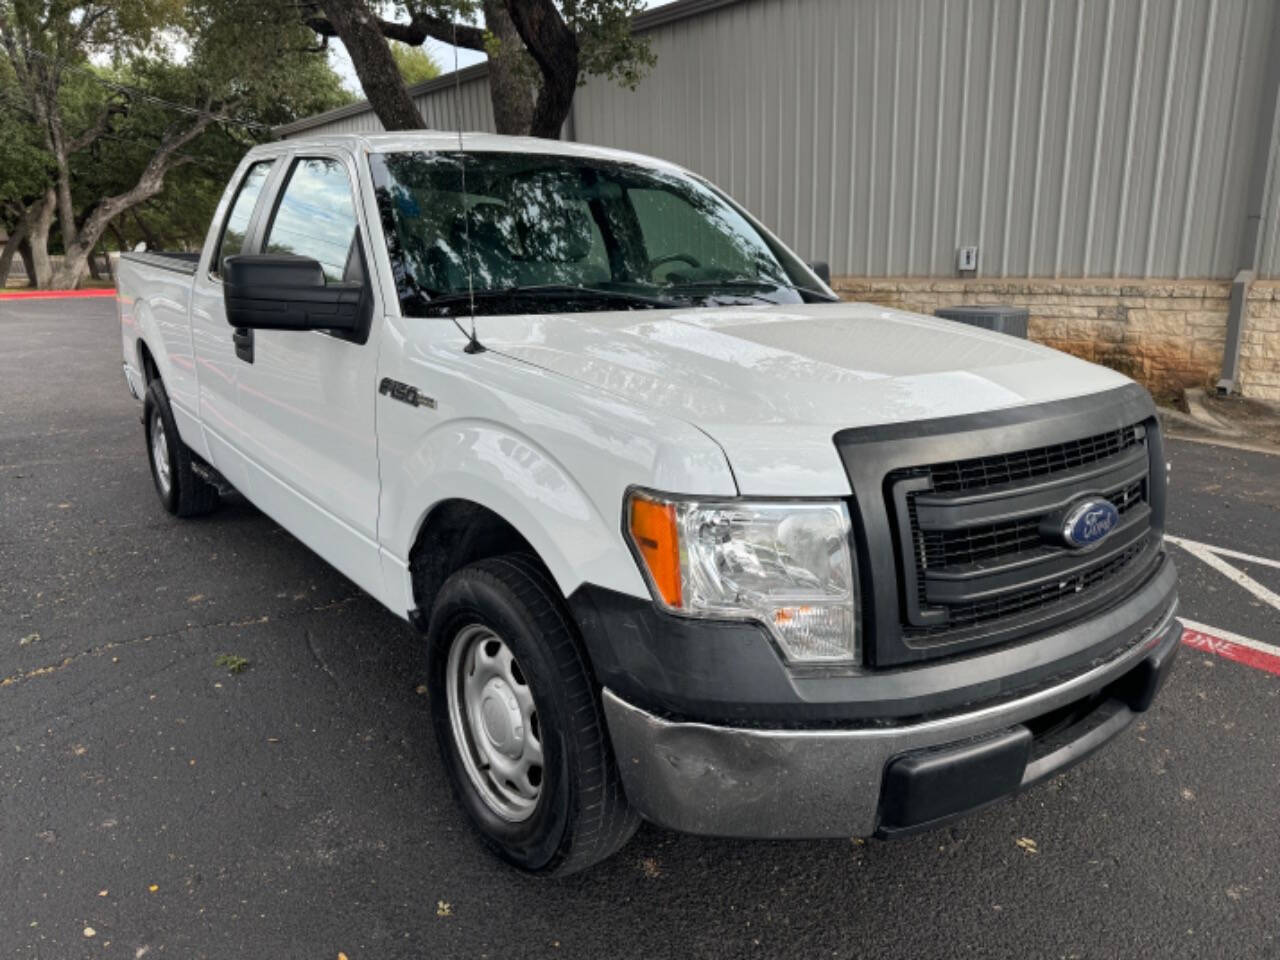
[(1063, 137), (440, 107)]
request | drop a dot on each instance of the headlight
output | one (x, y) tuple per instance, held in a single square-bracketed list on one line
[(787, 565)]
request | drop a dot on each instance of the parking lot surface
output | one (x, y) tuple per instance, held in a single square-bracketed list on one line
[(154, 804)]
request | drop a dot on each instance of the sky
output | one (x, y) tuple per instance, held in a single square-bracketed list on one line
[(443, 54)]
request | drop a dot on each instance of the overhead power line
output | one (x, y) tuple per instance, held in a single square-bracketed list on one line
[(131, 91)]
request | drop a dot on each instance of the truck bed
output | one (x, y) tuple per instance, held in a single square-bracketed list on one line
[(178, 262)]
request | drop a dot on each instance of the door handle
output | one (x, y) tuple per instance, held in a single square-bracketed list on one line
[(242, 337)]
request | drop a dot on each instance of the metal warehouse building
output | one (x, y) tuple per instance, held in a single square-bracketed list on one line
[(1114, 162)]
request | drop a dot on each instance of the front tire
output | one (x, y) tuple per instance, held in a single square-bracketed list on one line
[(183, 493), (518, 719)]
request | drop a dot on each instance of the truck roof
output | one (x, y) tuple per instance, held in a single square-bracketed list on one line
[(447, 140)]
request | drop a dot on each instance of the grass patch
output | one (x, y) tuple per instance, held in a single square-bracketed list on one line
[(233, 663)]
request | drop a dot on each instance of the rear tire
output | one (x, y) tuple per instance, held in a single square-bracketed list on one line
[(518, 719), (183, 493)]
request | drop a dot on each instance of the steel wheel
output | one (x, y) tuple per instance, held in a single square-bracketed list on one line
[(495, 723), (160, 453)]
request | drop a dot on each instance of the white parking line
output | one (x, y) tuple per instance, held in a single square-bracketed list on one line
[(1212, 556), (1224, 552), (1224, 643)]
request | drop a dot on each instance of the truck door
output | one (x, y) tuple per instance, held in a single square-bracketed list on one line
[(306, 399), (212, 338)]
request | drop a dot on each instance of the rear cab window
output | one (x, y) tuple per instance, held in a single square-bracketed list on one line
[(235, 230)]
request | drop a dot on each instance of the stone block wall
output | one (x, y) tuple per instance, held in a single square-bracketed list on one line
[(1167, 334)]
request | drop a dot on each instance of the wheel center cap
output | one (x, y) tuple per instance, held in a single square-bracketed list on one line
[(502, 720)]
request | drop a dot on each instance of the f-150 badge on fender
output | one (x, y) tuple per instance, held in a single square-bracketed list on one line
[(405, 393)]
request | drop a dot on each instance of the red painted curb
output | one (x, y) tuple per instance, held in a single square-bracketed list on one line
[(53, 294), (1229, 650)]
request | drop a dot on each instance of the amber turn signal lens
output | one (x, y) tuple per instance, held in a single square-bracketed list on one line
[(653, 530)]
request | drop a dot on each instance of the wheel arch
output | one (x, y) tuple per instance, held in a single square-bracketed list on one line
[(147, 363), (523, 498), (457, 532)]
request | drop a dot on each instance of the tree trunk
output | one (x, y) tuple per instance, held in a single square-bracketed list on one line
[(11, 246), (41, 270), (28, 261), (375, 67), (75, 264), (147, 236), (509, 90), (554, 47)]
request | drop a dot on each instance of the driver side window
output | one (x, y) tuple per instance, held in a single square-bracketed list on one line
[(316, 218)]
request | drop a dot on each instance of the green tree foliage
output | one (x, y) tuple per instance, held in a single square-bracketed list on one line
[(415, 63), (540, 51), (117, 94)]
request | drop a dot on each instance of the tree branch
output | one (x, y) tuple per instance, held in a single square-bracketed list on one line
[(414, 33), (554, 47), (100, 127), (151, 181), (361, 33)]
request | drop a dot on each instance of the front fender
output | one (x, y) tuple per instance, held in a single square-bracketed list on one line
[(512, 475), (552, 456)]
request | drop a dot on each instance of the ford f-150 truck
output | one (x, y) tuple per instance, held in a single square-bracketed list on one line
[(689, 538)]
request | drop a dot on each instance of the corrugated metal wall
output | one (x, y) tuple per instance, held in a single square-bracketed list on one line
[(1062, 137), (441, 106), (438, 104)]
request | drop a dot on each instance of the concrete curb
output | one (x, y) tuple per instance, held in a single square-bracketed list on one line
[(1194, 399), (54, 294)]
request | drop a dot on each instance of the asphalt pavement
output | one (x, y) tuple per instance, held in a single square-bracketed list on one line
[(154, 804)]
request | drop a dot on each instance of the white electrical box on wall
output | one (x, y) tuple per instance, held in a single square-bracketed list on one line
[(967, 259)]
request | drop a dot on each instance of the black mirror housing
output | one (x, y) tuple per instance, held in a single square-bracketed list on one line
[(275, 292), (823, 270)]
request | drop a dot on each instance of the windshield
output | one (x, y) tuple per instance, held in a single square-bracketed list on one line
[(537, 232)]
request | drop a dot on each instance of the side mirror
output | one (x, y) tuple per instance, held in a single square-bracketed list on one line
[(823, 270), (273, 292)]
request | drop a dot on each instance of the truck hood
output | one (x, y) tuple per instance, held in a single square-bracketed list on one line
[(773, 384)]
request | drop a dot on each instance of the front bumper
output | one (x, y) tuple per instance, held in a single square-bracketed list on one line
[(877, 779)]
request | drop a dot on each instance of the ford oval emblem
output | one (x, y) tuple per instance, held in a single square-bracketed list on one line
[(1089, 522)]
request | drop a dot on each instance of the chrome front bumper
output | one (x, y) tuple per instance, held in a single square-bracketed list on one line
[(812, 783)]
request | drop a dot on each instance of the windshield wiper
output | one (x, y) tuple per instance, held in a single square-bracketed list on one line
[(550, 291), (749, 282)]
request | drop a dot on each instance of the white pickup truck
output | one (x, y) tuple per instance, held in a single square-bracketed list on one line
[(689, 538)]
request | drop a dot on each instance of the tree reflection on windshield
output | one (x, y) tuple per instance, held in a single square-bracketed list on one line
[(543, 221)]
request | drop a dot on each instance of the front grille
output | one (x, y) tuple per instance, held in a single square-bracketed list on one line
[(938, 549), (1038, 599), (973, 558), (1003, 468)]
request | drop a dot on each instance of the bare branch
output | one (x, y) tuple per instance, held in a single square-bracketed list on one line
[(415, 33)]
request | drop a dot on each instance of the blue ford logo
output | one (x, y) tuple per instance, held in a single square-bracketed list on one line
[(1088, 522)]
